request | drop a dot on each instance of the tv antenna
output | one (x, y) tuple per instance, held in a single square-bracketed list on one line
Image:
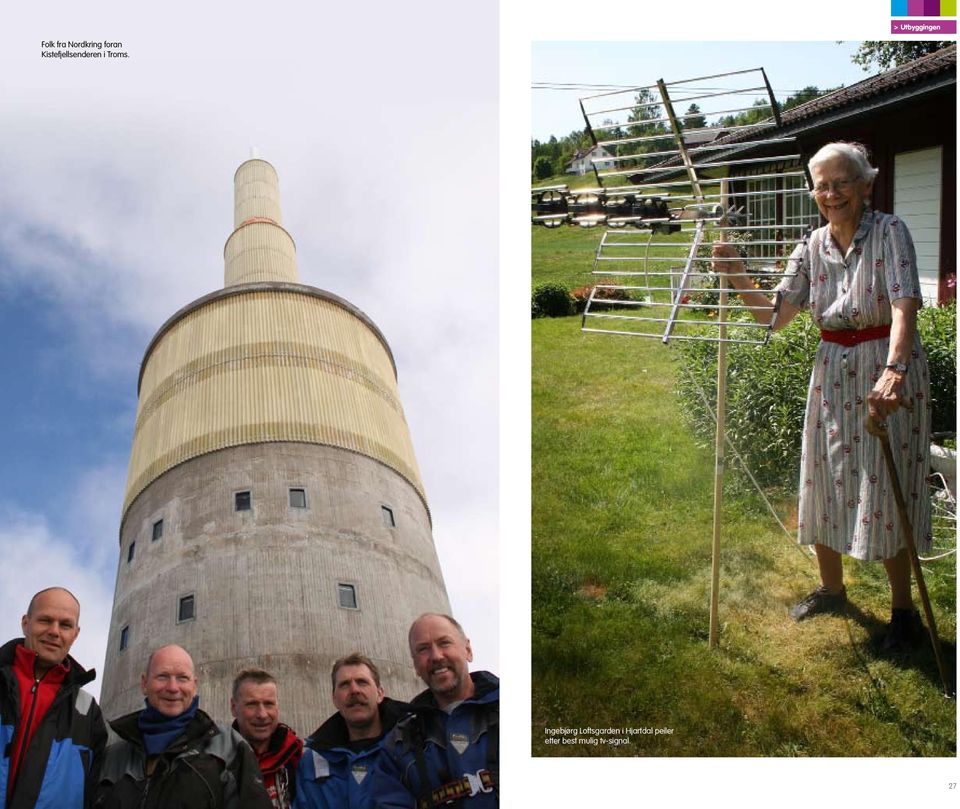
[(668, 185)]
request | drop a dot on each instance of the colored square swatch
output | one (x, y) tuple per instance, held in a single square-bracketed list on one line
[(931, 8)]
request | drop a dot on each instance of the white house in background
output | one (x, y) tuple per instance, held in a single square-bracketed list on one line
[(584, 161)]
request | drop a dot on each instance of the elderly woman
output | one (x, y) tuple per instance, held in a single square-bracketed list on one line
[(858, 277)]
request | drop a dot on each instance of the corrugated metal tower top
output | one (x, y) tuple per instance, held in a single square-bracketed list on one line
[(259, 249), (256, 193)]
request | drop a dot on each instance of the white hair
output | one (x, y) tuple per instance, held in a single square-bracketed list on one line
[(855, 154)]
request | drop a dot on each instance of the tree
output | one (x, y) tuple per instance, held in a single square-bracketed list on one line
[(542, 168), (644, 115), (803, 96), (643, 122), (609, 131), (893, 54), (759, 111), (693, 119), (553, 148)]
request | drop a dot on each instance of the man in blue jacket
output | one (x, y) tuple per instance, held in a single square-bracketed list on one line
[(52, 734), (336, 769), (448, 750)]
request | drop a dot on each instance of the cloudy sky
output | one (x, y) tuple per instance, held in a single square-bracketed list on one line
[(116, 197)]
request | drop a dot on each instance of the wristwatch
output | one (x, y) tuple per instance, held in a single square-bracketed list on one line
[(899, 367)]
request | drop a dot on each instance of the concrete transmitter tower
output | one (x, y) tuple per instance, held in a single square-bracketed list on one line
[(274, 514)]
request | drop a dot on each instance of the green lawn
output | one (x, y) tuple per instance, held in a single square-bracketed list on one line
[(622, 526)]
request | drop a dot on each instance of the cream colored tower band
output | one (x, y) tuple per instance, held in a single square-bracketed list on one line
[(266, 359)]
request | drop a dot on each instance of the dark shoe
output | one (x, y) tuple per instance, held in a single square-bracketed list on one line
[(819, 601), (903, 631)]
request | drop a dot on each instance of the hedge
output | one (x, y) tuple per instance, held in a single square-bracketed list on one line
[(767, 390)]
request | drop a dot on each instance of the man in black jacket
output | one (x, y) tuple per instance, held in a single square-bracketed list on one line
[(51, 731), (171, 755)]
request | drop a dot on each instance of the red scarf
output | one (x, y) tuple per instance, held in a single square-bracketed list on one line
[(284, 749)]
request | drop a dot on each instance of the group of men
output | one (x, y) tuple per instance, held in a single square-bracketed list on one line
[(441, 749)]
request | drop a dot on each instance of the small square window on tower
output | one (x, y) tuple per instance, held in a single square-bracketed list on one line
[(298, 498), (387, 514), (131, 551), (157, 530), (241, 501), (348, 596), (124, 637), (185, 609)]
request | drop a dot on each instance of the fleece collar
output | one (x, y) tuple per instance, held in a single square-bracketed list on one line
[(334, 734), (486, 688)]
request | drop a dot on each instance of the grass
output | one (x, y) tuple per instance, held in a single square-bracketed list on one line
[(622, 526)]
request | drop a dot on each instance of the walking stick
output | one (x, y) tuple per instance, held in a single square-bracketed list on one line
[(880, 431)]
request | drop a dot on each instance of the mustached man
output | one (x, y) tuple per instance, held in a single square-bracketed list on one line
[(336, 771)]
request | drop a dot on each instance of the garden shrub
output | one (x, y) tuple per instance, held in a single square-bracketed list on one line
[(767, 390), (938, 333), (551, 300), (766, 397), (582, 294)]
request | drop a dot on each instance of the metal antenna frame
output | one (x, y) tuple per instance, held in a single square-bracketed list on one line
[(656, 201)]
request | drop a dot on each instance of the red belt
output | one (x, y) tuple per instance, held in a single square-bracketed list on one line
[(851, 337)]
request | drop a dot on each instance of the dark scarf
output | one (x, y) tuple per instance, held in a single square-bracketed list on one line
[(159, 731)]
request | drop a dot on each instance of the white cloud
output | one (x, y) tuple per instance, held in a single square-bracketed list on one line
[(34, 559), (76, 548)]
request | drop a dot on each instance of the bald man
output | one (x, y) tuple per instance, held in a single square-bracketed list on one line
[(173, 754), (448, 749), (51, 733)]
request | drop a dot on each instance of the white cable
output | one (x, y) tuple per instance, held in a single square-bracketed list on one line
[(806, 550), (939, 556)]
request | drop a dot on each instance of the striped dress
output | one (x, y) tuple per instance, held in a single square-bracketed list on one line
[(846, 498)]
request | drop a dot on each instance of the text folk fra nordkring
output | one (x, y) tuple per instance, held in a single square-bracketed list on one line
[(88, 49)]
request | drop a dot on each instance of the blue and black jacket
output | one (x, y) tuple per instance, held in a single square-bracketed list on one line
[(335, 774), (432, 758), (59, 769)]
